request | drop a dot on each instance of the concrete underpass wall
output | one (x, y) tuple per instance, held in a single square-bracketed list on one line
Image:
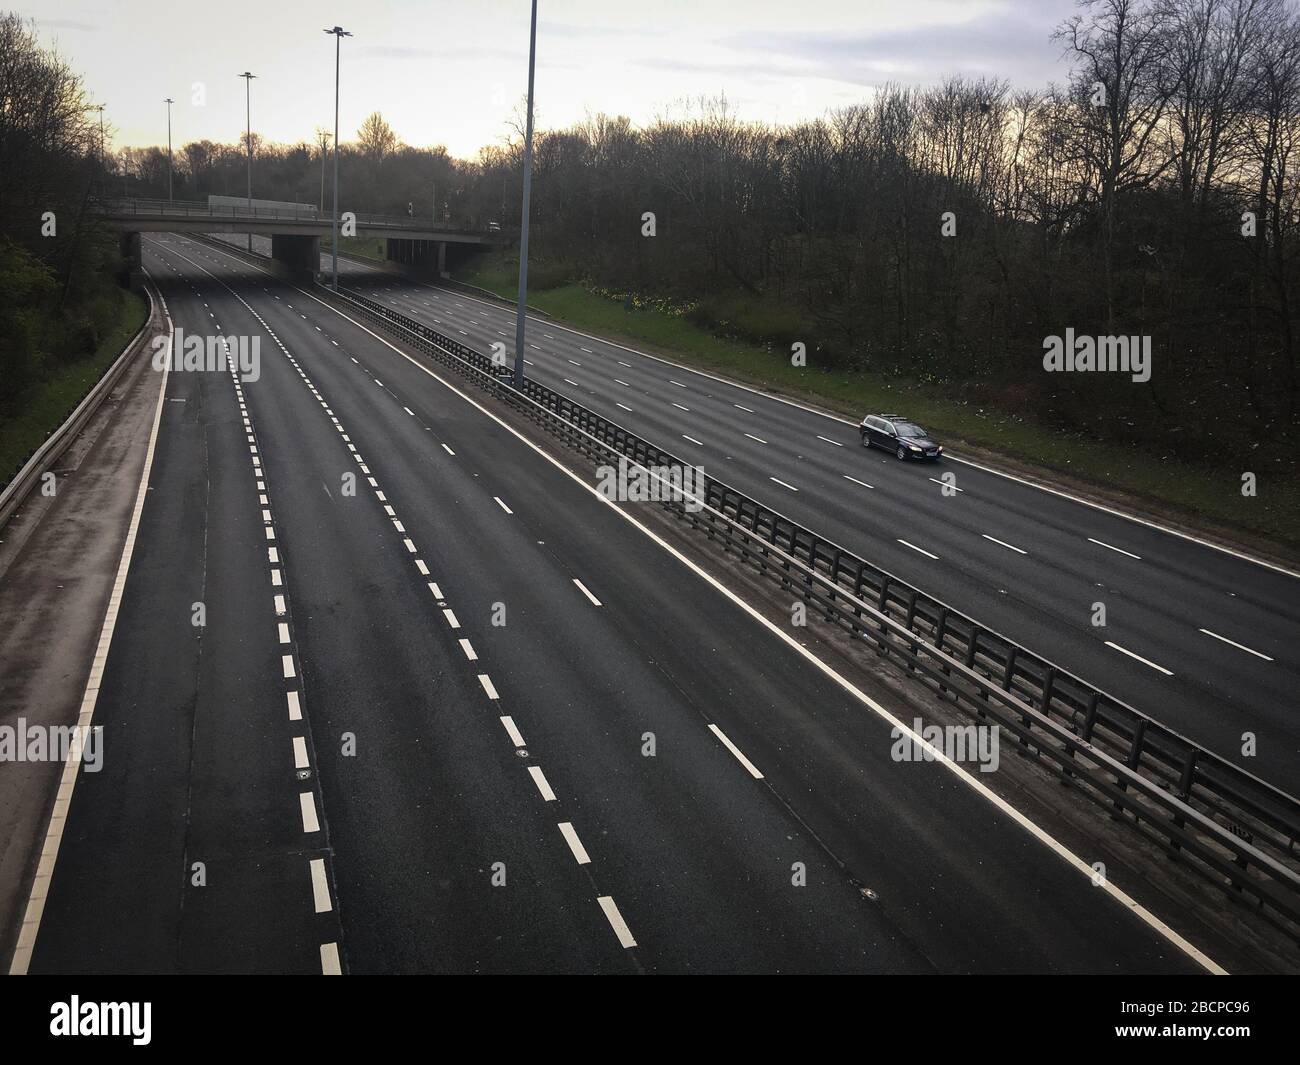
[(132, 267), (423, 256), (299, 255)]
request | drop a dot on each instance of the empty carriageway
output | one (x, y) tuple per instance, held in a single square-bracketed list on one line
[(656, 772), (1203, 640)]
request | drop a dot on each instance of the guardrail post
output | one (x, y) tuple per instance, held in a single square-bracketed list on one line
[(913, 647), (1184, 792), (1134, 757), (939, 631), (882, 605)]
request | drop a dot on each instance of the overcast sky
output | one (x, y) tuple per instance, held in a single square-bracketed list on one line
[(452, 72)]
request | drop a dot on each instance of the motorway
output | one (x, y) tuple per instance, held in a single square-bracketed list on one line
[(1204, 641), (473, 718)]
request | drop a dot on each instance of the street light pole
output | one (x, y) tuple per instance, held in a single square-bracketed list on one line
[(248, 138), (170, 101), (324, 151), (523, 225), (338, 32)]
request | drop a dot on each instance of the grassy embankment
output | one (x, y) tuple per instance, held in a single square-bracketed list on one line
[(1204, 494), (27, 419)]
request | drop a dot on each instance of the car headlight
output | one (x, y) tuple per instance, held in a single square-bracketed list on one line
[(913, 447)]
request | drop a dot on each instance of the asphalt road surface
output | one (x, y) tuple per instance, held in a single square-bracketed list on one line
[(1203, 641), (469, 717)]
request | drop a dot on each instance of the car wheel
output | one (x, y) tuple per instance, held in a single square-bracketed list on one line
[(866, 441), (901, 452)]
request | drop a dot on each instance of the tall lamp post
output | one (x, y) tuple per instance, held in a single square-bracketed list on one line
[(170, 101), (248, 140), (338, 33), (323, 139), (523, 225)]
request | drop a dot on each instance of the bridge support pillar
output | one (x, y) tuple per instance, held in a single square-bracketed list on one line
[(300, 255), (442, 258), (132, 267)]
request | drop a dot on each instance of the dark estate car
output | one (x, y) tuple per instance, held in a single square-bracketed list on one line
[(895, 433)]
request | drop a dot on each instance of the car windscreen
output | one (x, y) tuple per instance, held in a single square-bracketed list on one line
[(908, 430)]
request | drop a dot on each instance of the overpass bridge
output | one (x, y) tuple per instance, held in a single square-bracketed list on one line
[(295, 230)]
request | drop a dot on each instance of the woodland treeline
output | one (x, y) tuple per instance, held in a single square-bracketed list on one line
[(58, 286), (1153, 193)]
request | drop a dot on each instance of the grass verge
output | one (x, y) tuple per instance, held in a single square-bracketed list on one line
[(1206, 495), (32, 415)]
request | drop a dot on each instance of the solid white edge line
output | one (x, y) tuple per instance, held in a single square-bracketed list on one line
[(1239, 646), (26, 943), (1144, 661), (1084, 869), (740, 755), (955, 458)]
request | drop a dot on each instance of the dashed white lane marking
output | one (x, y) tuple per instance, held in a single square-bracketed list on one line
[(1112, 547), (583, 589), (758, 438), (693, 440), (569, 382), (307, 802), (856, 481), (409, 411), (783, 484), (488, 686), (830, 441), (575, 844), (745, 409), (624, 406), (320, 889), (283, 632), (1144, 661), (512, 730), (740, 756), (539, 778), (623, 383), (295, 707), (448, 450), (502, 505), (300, 760), (329, 960), (1003, 543), (286, 663), (448, 614), (947, 484), (915, 548), (1239, 646), (279, 606), (1032, 828), (437, 593), (616, 921), (680, 407), (468, 648), (424, 570)]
